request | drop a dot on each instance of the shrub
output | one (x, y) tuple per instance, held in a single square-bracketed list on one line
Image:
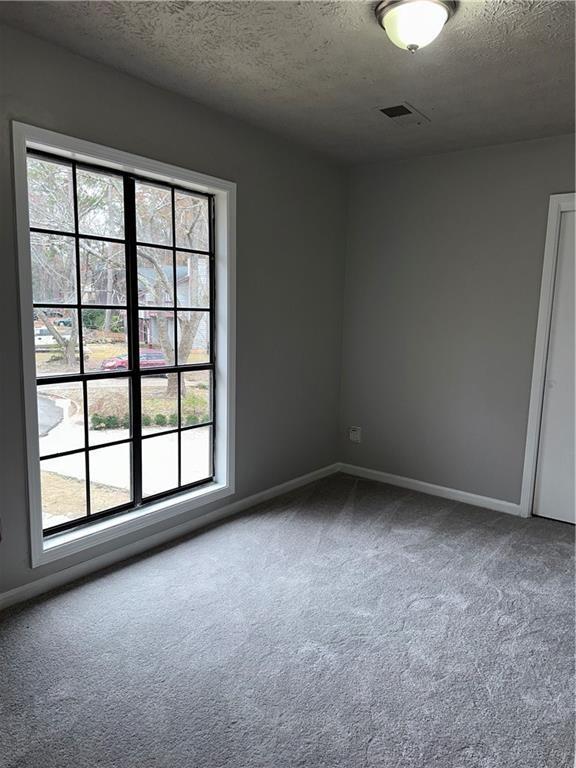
[(192, 419), (160, 420), (93, 318), (117, 325), (125, 421), (98, 422), (112, 422), (146, 420), (173, 419)]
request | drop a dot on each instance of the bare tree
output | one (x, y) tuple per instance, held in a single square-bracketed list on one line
[(66, 344), (53, 256), (155, 218), (102, 267)]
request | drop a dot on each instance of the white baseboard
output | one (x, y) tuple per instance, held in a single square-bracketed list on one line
[(67, 575), (72, 573), (434, 490)]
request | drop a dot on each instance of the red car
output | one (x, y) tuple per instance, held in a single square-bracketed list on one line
[(148, 359)]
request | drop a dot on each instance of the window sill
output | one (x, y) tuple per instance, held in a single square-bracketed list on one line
[(107, 529)]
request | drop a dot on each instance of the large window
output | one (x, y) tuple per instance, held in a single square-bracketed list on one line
[(123, 299), (127, 306)]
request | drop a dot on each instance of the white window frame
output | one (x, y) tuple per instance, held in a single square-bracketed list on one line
[(44, 550)]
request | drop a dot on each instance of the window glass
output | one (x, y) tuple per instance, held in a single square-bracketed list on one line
[(155, 277), (56, 341), (53, 268), (103, 272), (153, 214), (122, 338), (159, 464), (192, 221), (100, 204), (50, 195)]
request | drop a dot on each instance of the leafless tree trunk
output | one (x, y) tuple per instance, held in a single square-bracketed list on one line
[(67, 347), (109, 286)]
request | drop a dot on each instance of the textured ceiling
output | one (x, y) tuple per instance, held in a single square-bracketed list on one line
[(502, 70)]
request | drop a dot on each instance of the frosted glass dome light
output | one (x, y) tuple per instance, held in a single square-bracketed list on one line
[(412, 24)]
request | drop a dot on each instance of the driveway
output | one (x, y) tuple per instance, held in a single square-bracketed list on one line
[(49, 415)]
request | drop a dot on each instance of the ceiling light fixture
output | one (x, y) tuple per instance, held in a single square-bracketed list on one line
[(412, 24)]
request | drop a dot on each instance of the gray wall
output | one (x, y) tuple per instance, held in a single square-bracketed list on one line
[(442, 278), (291, 212), (442, 285)]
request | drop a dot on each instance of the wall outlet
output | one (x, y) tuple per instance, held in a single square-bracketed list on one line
[(355, 434)]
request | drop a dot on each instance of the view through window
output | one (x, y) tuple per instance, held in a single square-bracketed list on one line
[(123, 292)]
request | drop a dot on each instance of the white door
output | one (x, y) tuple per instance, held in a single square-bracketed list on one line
[(554, 493)]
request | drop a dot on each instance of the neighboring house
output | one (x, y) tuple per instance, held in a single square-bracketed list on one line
[(191, 292)]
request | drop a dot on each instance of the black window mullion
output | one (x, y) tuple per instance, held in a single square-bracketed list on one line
[(78, 270), (63, 233), (133, 335), (80, 336), (174, 281), (86, 449), (212, 302), (176, 334), (179, 429)]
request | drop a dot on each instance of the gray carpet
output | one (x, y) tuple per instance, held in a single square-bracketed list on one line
[(346, 625)]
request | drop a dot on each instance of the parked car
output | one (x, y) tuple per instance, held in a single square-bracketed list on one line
[(148, 359), (113, 363), (43, 338)]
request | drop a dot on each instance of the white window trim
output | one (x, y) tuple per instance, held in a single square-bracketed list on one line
[(61, 545)]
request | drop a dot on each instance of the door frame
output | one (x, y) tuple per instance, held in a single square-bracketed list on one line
[(559, 204)]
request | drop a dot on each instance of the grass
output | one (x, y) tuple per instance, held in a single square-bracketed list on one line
[(155, 401), (64, 496), (50, 362)]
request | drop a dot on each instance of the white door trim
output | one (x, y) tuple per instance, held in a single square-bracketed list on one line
[(559, 204)]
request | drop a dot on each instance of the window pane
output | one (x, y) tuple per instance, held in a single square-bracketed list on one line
[(105, 339), (60, 417), (63, 489), (100, 203), (50, 195), (156, 334), (53, 269), (108, 410), (110, 484), (193, 280), (155, 277), (56, 341), (102, 272), (196, 460), (193, 337), (159, 464), (153, 214), (159, 403), (195, 397), (192, 221)]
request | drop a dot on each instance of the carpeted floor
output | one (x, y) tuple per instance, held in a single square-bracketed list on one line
[(346, 625)]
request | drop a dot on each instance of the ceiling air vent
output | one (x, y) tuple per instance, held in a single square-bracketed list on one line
[(404, 115)]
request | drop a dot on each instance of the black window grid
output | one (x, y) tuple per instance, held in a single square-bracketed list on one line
[(133, 373)]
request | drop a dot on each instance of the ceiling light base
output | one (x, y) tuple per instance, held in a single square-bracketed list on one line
[(383, 7)]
